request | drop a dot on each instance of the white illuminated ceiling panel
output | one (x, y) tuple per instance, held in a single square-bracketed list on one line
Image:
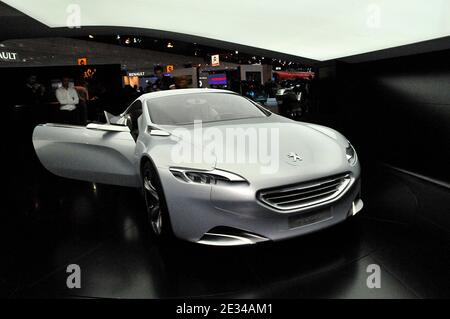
[(316, 29)]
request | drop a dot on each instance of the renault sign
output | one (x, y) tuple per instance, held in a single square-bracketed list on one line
[(8, 56)]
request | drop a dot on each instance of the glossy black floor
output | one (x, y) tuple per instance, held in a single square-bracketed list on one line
[(53, 222)]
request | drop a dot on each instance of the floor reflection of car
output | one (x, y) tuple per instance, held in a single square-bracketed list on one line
[(316, 183)]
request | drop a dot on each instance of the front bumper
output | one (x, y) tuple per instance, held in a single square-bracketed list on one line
[(231, 214)]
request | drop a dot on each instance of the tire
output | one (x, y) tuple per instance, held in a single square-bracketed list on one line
[(157, 216)]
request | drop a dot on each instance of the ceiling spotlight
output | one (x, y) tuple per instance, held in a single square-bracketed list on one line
[(127, 41), (91, 36), (118, 37), (237, 52), (169, 45)]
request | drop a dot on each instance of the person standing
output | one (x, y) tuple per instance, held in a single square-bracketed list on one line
[(31, 98), (162, 82), (33, 92), (68, 99)]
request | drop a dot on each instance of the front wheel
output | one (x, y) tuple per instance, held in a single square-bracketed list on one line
[(157, 216)]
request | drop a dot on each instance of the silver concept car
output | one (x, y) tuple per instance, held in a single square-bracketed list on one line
[(215, 168)]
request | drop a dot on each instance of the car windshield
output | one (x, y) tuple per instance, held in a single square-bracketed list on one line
[(206, 107)]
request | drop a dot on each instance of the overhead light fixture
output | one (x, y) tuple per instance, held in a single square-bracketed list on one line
[(169, 45), (91, 36), (127, 41)]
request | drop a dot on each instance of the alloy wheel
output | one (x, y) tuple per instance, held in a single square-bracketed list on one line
[(154, 213)]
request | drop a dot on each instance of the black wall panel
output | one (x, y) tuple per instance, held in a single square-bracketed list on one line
[(396, 111)]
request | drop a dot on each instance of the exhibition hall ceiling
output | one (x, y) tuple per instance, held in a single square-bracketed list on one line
[(314, 29)]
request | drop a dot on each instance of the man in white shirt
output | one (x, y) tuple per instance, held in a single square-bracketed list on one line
[(67, 96)]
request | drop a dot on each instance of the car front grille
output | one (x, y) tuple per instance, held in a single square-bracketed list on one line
[(307, 194)]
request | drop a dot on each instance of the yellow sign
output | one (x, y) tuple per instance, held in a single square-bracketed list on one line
[(82, 61), (169, 68)]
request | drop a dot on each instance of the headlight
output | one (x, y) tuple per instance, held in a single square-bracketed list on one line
[(351, 154), (206, 177)]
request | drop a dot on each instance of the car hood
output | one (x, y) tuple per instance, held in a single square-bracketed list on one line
[(263, 158)]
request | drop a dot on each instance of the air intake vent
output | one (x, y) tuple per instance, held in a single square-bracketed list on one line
[(307, 194)]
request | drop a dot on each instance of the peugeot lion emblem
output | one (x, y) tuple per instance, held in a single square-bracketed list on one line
[(294, 156)]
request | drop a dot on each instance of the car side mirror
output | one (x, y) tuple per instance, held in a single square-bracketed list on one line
[(108, 117), (108, 127)]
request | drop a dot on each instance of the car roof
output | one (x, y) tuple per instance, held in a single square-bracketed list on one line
[(158, 94)]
